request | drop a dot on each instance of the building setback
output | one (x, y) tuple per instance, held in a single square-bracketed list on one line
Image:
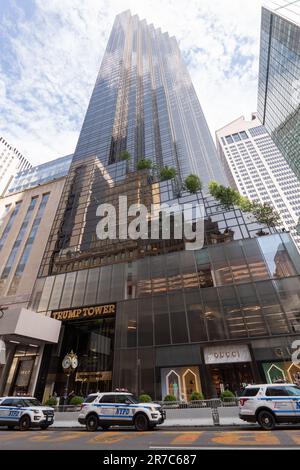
[(279, 77), (257, 169)]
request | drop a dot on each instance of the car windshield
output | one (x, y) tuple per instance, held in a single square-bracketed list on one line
[(90, 398), (293, 390), (31, 402)]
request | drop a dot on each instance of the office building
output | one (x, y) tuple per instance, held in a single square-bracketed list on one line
[(28, 211), (279, 77), (257, 169)]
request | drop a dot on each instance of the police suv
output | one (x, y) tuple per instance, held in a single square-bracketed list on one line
[(270, 404), (122, 409), (24, 412)]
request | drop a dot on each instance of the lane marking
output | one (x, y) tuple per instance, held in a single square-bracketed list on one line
[(110, 437), (186, 438), (245, 438)]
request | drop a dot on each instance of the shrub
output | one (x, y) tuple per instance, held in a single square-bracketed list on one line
[(245, 204), (144, 398), (76, 400), (144, 164), (170, 398), (197, 396), (167, 173), (265, 214), (124, 155), (227, 394), (193, 183), (52, 401)]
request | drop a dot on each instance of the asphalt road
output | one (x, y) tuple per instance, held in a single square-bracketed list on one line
[(129, 439)]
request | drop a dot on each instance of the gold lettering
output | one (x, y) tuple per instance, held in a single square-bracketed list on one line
[(86, 311), (105, 309), (91, 311)]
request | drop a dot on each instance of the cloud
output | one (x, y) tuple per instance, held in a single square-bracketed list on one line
[(52, 52)]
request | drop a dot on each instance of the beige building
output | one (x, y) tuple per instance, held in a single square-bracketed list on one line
[(25, 225)]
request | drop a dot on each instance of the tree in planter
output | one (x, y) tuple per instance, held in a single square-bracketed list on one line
[(245, 204), (226, 395), (124, 156), (265, 214), (167, 173), (170, 398), (226, 196), (193, 183), (144, 398), (76, 400), (144, 164), (196, 396)]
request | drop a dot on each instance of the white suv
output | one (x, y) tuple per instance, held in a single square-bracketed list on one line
[(25, 412), (122, 409), (270, 404)]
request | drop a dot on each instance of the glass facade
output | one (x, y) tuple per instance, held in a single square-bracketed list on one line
[(28, 246), (20, 237), (171, 303), (279, 78), (10, 222), (40, 174), (144, 102)]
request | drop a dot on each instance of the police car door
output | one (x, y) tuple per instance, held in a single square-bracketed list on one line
[(294, 393), (123, 409), (9, 412), (280, 401), (106, 407)]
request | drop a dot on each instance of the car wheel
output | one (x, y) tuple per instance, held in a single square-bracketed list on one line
[(104, 427), (141, 422), (266, 420), (24, 423), (92, 423)]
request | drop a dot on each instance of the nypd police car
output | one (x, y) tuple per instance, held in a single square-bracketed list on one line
[(114, 408), (270, 404), (24, 413)]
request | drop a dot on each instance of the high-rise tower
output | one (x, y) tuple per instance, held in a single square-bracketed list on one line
[(144, 102), (279, 77)]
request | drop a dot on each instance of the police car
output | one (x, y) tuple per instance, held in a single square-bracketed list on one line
[(270, 404), (24, 412), (114, 408)]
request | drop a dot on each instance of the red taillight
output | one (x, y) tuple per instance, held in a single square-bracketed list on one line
[(243, 401)]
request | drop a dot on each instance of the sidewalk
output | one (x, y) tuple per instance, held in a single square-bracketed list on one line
[(175, 418)]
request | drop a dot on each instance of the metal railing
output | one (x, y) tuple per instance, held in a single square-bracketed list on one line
[(211, 403)]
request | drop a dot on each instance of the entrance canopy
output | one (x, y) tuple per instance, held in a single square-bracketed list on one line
[(27, 325)]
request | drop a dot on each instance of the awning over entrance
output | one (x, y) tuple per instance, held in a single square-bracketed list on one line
[(25, 323)]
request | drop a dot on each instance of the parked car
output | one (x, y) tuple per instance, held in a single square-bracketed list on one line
[(24, 413), (107, 409), (270, 404)]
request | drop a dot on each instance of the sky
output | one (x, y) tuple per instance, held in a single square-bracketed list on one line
[(51, 52)]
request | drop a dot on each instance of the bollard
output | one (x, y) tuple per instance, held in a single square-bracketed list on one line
[(215, 416)]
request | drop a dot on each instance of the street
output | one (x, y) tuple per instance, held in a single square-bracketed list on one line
[(129, 439)]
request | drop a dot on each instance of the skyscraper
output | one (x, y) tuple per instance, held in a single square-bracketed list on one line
[(148, 314), (144, 102), (279, 77), (257, 169)]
